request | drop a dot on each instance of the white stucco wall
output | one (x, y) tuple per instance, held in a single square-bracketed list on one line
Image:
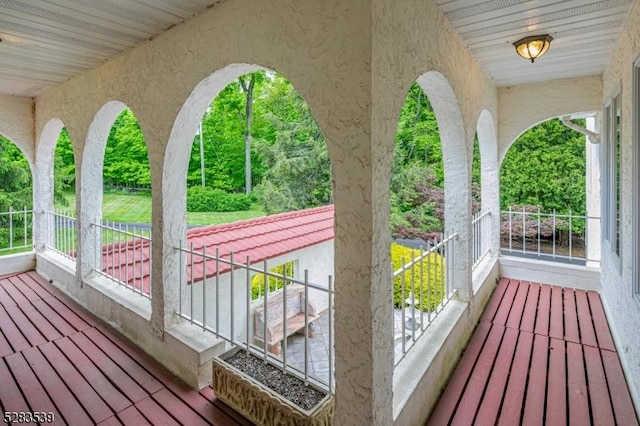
[(17, 124), (353, 63), (623, 311)]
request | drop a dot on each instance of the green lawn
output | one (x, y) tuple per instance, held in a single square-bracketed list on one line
[(136, 208)]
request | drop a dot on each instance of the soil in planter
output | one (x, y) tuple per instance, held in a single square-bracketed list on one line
[(286, 385)]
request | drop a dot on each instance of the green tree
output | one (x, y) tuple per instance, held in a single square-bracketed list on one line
[(545, 167), (125, 160), (15, 177)]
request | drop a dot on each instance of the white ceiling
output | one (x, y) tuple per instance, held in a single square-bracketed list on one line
[(584, 33), (46, 42)]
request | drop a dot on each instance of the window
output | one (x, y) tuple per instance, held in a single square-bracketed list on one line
[(612, 174), (636, 179)]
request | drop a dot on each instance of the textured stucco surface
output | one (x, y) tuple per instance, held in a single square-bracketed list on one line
[(16, 124), (353, 63), (623, 310)]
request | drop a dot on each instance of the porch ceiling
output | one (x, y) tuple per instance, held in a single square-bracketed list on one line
[(584, 33), (45, 43)]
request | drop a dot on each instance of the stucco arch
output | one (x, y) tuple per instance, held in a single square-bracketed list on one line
[(43, 178), (457, 170), (174, 177)]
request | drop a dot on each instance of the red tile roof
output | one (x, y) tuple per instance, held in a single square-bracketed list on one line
[(258, 239)]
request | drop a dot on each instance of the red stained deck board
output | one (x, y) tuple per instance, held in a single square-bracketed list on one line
[(517, 307), (494, 303), (601, 409), (515, 389), (37, 288), (207, 393), (587, 332), (12, 333), (556, 319), (534, 408), (86, 395), (154, 413), (571, 332), (494, 394), (69, 315), (67, 404), (505, 305), (577, 386), (530, 308), (24, 289), (32, 389), (11, 290), (620, 399), (5, 299), (54, 318), (600, 322), (10, 396), (133, 369), (109, 368), (556, 411), (29, 331), (111, 395), (131, 416), (111, 421), (468, 407), (5, 347), (48, 331), (452, 393), (182, 412), (544, 311)]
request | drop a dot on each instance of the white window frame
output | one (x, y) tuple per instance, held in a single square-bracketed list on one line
[(612, 185), (635, 261)]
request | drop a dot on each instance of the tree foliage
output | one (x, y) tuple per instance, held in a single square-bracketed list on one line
[(15, 177)]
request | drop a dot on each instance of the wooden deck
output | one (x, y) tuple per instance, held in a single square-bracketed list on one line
[(56, 357), (541, 355)]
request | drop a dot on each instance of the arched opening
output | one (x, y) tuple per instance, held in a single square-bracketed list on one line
[(430, 194), (543, 197), (246, 141), (16, 199)]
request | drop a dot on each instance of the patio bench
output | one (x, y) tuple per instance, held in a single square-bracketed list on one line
[(295, 314)]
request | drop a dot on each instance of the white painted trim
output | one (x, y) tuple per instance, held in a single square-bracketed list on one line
[(554, 273), (635, 253)]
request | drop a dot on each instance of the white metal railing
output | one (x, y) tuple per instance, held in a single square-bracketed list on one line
[(425, 286), (220, 295), (61, 232), (547, 236), (481, 228), (15, 230), (125, 256)]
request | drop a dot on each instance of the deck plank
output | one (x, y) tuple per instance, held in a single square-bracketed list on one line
[(517, 307), (29, 331), (458, 381), (86, 395), (131, 416), (10, 396), (5, 347), (11, 332), (620, 399), (494, 303), (54, 318), (5, 299), (556, 411), (466, 412), (577, 386), (601, 407), (35, 286), (587, 332), (571, 332), (109, 368), (556, 316), (13, 292), (534, 408), (505, 305), (515, 388), (600, 324), (24, 289), (544, 311), (182, 412), (531, 306), (32, 389), (494, 394), (154, 413), (69, 407), (41, 323), (111, 395), (68, 314)]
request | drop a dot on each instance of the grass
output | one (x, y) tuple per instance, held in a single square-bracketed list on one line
[(136, 208)]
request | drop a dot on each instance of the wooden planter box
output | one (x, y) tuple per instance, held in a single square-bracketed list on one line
[(260, 404)]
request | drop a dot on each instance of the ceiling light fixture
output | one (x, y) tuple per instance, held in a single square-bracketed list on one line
[(533, 47)]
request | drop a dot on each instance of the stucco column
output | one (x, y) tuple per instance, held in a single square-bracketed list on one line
[(593, 195)]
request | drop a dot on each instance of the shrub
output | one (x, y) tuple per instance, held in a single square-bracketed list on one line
[(257, 282), (428, 293), (205, 199)]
